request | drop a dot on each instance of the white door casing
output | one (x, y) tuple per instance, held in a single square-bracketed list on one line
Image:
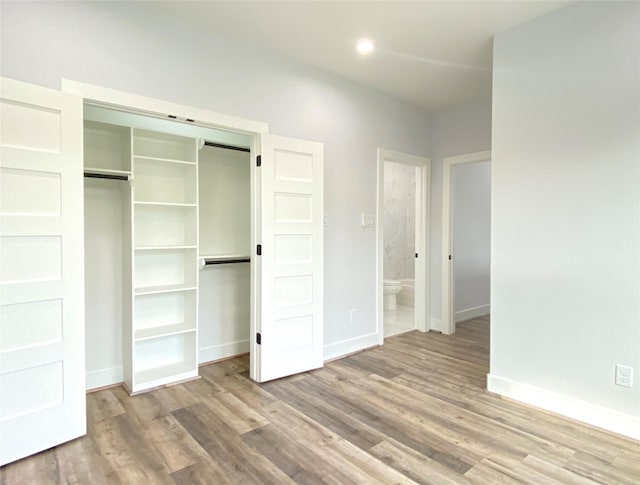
[(448, 322), (42, 360), (290, 269), (422, 267)]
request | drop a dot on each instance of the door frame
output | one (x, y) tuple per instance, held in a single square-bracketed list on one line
[(448, 276), (123, 101), (423, 196)]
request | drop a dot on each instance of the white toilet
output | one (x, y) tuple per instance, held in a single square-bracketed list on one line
[(391, 289)]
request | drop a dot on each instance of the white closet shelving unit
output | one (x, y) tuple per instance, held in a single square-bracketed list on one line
[(149, 241), (163, 338)]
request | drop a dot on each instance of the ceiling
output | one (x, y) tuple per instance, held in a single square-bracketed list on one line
[(433, 54)]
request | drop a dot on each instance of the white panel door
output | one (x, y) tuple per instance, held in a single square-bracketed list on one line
[(42, 377), (290, 307)]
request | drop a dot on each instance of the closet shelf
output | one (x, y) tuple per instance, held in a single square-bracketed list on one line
[(106, 171), (166, 204), (152, 290), (107, 174), (223, 256), (164, 248), (179, 371), (163, 331), (162, 160), (219, 260)]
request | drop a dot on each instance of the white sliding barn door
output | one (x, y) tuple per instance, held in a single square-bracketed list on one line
[(42, 368), (290, 309)]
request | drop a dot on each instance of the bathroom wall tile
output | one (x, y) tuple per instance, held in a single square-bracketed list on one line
[(399, 221)]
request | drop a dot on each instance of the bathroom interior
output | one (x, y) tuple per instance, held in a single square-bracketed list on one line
[(399, 235)]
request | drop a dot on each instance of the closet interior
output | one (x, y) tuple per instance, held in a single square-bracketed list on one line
[(167, 239)]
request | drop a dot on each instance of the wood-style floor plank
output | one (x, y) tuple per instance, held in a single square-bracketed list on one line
[(412, 411)]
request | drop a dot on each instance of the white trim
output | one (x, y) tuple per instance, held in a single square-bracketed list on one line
[(423, 210), (436, 324), (349, 346), (221, 351), (104, 377), (586, 412), (114, 98), (448, 303), (475, 312)]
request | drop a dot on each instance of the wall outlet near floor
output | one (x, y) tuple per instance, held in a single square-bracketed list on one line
[(624, 375), (353, 316)]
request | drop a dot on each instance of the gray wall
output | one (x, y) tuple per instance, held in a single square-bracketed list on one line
[(566, 205), (123, 46), (471, 210)]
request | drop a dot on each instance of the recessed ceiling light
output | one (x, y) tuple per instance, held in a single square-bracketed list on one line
[(365, 46)]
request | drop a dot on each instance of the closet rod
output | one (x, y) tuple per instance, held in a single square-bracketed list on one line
[(107, 176), (210, 262), (227, 147)]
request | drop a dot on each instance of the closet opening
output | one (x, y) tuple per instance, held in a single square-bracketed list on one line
[(167, 255), (285, 244)]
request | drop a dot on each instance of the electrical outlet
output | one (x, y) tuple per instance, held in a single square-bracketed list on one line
[(353, 316), (624, 375)]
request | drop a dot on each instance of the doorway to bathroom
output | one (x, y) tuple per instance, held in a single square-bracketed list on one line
[(402, 243)]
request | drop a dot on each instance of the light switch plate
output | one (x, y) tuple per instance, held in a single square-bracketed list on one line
[(368, 220)]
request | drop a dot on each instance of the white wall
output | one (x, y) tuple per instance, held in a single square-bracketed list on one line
[(399, 259), (462, 129), (471, 208), (125, 46), (566, 212), (104, 248)]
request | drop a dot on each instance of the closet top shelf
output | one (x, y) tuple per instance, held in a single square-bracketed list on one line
[(145, 158), (152, 290), (107, 170), (217, 260), (170, 204), (104, 173), (165, 248), (222, 257)]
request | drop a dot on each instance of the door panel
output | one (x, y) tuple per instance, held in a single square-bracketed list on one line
[(291, 266), (42, 378)]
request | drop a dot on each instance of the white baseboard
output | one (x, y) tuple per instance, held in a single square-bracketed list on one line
[(344, 347), (475, 312), (604, 418), (437, 325), (104, 377), (115, 375), (221, 351)]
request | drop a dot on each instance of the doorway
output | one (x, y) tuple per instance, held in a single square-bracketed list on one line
[(465, 240), (402, 243)]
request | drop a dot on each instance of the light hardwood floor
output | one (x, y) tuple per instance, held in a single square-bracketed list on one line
[(411, 411)]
